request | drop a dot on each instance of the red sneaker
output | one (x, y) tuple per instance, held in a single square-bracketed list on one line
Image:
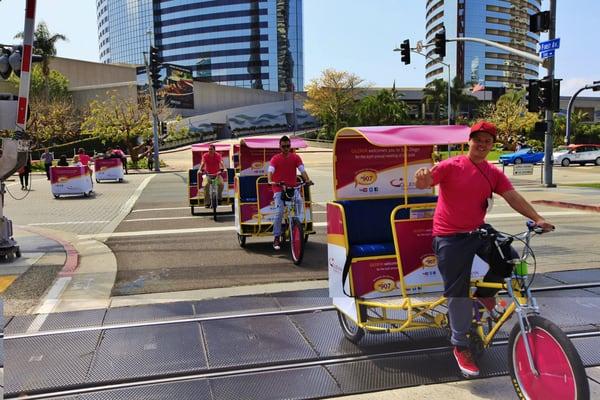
[(465, 361)]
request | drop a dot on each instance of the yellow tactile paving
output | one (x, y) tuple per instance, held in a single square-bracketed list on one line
[(6, 281)]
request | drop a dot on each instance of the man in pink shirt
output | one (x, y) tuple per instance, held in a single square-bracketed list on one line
[(212, 164), (466, 187), (84, 159), (282, 169)]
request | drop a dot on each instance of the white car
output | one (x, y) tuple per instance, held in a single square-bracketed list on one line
[(577, 154)]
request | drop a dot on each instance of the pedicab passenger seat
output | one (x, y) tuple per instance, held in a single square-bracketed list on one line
[(248, 189), (369, 227)]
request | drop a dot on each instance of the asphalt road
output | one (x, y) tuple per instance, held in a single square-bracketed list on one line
[(155, 254)]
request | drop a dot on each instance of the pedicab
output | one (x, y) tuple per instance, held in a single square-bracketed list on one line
[(196, 178), (71, 181), (254, 207), (383, 274), (108, 169)]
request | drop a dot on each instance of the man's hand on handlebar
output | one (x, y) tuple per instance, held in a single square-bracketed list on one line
[(543, 225)]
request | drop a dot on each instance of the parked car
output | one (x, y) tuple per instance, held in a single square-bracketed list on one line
[(577, 154), (524, 156)]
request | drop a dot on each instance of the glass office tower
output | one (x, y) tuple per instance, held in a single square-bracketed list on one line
[(502, 21), (248, 43)]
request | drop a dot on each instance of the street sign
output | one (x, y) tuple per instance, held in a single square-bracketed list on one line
[(550, 45), (523, 169), (547, 54)]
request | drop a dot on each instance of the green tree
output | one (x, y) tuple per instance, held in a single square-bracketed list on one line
[(332, 98), (383, 108), (510, 116), (51, 122), (44, 44), (54, 86), (436, 93), (459, 96), (119, 120)]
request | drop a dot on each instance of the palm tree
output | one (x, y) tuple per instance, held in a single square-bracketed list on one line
[(458, 96), (436, 93), (44, 44)]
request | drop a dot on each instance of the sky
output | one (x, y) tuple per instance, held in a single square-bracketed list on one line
[(350, 35)]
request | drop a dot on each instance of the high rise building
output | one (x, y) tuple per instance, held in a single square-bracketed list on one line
[(248, 43), (502, 21)]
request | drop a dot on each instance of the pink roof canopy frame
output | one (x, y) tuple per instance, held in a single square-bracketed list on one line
[(411, 135), (203, 147), (270, 143)]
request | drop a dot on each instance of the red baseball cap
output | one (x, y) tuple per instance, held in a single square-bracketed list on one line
[(484, 126)]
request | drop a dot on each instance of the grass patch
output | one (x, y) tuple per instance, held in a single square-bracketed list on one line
[(493, 156), (586, 185)]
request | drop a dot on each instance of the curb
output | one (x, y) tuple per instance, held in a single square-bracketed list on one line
[(72, 256), (563, 204)]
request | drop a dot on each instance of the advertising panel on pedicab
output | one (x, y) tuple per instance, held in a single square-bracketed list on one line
[(265, 206), (70, 180), (108, 169), (364, 170)]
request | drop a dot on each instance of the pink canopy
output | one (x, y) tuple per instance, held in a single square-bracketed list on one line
[(416, 135), (202, 147), (270, 142)]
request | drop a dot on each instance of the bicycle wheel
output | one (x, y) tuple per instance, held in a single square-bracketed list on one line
[(561, 372), (213, 200), (296, 241), (351, 330)]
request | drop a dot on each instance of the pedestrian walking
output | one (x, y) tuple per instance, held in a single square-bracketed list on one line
[(47, 158), (24, 173)]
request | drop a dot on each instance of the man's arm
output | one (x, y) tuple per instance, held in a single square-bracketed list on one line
[(523, 207)]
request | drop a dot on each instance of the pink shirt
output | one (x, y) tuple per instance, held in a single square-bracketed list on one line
[(463, 192), (285, 169), (84, 159)]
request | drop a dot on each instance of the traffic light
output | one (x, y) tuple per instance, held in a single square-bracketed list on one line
[(163, 130), (539, 22), (550, 94), (405, 52), (154, 65), (440, 44), (533, 96)]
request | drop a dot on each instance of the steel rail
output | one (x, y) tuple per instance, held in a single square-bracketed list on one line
[(236, 316), (132, 383)]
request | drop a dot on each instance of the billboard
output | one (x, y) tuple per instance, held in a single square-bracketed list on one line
[(176, 85)]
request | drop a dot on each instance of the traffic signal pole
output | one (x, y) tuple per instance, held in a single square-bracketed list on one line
[(549, 113), (154, 115), (595, 87)]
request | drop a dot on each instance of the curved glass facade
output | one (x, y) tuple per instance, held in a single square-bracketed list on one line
[(502, 21), (249, 43)]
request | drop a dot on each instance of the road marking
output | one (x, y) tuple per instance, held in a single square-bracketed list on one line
[(124, 211), (315, 224), (159, 209), (48, 304), (160, 219), (6, 281), (172, 232), (68, 223)]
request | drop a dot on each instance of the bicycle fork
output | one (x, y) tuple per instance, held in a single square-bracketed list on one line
[(522, 312)]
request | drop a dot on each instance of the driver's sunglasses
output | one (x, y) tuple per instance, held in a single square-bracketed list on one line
[(285, 146)]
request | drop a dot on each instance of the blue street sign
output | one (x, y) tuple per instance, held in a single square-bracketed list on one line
[(550, 45), (547, 54)]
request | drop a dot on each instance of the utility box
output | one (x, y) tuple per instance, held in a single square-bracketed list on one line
[(8, 114)]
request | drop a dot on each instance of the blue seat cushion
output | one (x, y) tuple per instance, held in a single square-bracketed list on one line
[(230, 175), (368, 221), (372, 249), (248, 189)]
